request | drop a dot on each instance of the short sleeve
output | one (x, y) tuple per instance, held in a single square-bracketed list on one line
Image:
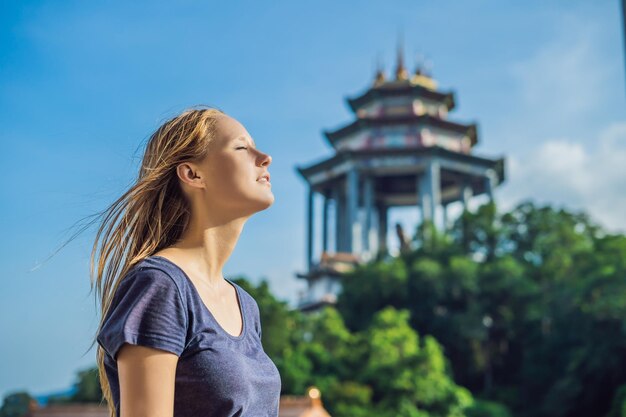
[(147, 310)]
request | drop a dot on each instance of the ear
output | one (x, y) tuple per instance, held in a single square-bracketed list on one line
[(190, 175)]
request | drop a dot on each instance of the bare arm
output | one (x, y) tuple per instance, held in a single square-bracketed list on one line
[(146, 377)]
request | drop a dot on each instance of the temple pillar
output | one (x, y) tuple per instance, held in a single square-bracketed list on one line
[(339, 211), (429, 189), (352, 222), (368, 203), (490, 183), (309, 247), (325, 223), (382, 228), (466, 193)]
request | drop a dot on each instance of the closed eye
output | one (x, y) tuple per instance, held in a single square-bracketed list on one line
[(241, 147)]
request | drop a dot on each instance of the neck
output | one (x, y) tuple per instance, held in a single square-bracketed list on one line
[(206, 246)]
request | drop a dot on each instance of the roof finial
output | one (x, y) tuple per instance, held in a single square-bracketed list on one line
[(401, 72), (422, 75), (419, 67), (428, 67), (380, 75)]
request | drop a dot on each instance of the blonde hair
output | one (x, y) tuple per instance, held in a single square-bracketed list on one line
[(151, 215)]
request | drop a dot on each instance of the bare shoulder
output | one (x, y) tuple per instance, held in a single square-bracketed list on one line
[(147, 380)]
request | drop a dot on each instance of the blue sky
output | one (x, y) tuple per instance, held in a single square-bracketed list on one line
[(82, 85)]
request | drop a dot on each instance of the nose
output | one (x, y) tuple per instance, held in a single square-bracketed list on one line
[(266, 159)]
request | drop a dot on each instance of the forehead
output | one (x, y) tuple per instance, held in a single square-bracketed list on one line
[(229, 129), (245, 139)]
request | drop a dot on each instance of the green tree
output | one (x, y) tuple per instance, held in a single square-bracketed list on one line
[(88, 387), (384, 369), (409, 376), (529, 305), (16, 404), (618, 407)]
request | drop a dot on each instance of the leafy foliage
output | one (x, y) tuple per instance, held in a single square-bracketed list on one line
[(529, 306), (521, 313), (15, 404)]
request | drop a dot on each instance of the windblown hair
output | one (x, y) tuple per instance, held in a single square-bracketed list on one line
[(151, 215)]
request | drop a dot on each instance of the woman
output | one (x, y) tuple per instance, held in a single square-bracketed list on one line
[(176, 337)]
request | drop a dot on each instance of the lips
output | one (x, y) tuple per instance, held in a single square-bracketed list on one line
[(265, 176)]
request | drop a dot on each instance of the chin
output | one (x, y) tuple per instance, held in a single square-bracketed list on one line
[(260, 204), (269, 202)]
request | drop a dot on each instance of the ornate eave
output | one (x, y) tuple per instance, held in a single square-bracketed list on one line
[(370, 122), (395, 89), (344, 156), (317, 304)]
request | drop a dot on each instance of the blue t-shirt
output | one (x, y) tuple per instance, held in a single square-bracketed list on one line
[(218, 374)]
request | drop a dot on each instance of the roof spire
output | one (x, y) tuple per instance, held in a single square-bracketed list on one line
[(401, 72)]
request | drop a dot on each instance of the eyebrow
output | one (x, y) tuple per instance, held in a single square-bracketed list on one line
[(243, 138)]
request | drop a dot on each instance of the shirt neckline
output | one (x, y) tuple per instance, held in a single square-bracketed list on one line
[(204, 306)]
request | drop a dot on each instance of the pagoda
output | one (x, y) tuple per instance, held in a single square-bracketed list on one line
[(400, 150)]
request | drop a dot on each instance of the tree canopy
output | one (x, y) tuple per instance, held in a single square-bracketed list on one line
[(513, 314)]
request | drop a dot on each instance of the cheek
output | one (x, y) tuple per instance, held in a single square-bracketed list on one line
[(223, 183), (229, 178)]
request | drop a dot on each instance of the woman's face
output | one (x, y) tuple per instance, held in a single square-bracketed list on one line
[(232, 171)]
